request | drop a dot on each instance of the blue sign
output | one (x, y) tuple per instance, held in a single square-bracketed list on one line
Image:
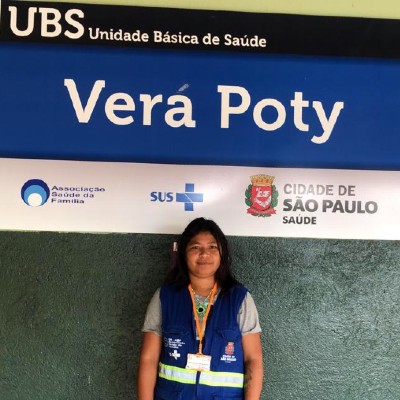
[(161, 106)]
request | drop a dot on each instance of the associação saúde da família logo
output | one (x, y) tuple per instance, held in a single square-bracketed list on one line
[(261, 196), (35, 192)]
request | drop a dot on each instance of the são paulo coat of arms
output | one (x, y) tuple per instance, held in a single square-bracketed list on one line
[(261, 196)]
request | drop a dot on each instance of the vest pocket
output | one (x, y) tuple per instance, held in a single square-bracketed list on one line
[(230, 334), (176, 345), (175, 337), (167, 394), (175, 331), (227, 350)]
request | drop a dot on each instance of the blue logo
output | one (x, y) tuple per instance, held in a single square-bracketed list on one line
[(35, 192), (188, 197)]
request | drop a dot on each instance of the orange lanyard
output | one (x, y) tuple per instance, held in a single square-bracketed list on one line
[(201, 329)]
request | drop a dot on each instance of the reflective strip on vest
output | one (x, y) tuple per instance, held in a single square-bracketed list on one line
[(177, 374), (226, 379)]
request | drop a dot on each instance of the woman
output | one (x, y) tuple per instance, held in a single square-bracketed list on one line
[(201, 335)]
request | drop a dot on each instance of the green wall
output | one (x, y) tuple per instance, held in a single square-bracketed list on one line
[(72, 305)]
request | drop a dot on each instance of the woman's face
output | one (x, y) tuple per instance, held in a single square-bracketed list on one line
[(202, 255)]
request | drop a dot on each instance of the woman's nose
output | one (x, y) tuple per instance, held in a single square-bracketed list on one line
[(204, 251)]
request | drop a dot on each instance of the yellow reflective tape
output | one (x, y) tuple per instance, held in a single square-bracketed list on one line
[(225, 379), (208, 378), (177, 374)]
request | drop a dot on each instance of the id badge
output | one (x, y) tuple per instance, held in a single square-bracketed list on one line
[(199, 362)]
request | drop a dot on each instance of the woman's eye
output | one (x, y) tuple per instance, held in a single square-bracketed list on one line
[(198, 248)]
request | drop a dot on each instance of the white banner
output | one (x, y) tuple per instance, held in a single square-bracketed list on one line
[(44, 195)]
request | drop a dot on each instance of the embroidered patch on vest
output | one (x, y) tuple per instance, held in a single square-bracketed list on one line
[(173, 343), (229, 356), (230, 348)]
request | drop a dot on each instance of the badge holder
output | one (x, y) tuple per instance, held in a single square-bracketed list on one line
[(199, 362)]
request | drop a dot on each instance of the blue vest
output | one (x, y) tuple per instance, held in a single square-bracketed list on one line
[(222, 341)]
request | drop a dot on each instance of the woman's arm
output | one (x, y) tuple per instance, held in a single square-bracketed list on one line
[(253, 364), (148, 365)]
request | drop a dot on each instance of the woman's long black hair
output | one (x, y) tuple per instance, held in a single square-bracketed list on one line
[(179, 272)]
